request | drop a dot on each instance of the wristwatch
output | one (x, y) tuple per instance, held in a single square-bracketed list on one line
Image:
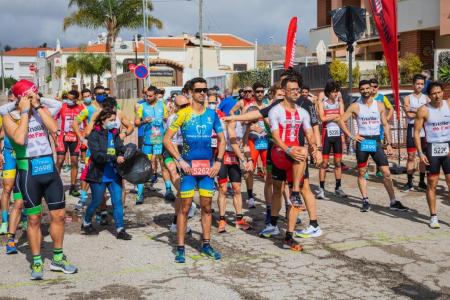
[(219, 160), (38, 107)]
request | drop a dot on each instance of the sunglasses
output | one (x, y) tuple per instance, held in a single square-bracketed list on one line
[(375, 86), (183, 105), (200, 90), (259, 91), (247, 92)]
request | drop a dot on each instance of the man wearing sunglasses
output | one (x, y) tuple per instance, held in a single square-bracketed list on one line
[(244, 102), (196, 161)]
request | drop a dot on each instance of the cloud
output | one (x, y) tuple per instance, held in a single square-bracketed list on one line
[(33, 22)]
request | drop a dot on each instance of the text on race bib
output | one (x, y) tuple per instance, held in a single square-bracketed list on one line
[(369, 146), (439, 149), (333, 131), (41, 166), (200, 167)]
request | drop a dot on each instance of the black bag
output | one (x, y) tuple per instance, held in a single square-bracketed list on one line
[(136, 169)]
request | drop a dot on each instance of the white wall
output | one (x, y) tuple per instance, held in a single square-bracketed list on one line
[(230, 56), (20, 66), (418, 15)]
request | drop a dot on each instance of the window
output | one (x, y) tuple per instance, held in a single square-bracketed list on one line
[(9, 67), (239, 67)]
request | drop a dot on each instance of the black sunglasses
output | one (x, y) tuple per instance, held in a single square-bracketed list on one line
[(183, 105), (248, 91), (200, 90), (259, 91)]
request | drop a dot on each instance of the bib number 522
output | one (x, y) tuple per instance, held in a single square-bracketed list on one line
[(439, 149)]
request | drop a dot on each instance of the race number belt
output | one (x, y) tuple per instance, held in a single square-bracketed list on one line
[(439, 149), (230, 158), (333, 131), (200, 167), (261, 143), (70, 137), (214, 142), (41, 165), (369, 146)]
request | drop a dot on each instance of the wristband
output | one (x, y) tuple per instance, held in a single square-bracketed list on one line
[(24, 112), (219, 160), (420, 153), (288, 150), (180, 159)]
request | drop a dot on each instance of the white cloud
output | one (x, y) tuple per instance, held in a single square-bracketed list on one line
[(32, 22)]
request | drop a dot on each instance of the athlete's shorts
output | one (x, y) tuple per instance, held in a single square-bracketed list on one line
[(17, 195), (167, 157), (83, 148), (73, 147), (410, 145), (140, 142), (37, 178), (269, 163), (205, 185), (255, 153), (282, 166), (330, 143), (150, 150), (230, 173), (9, 165), (437, 162), (379, 157)]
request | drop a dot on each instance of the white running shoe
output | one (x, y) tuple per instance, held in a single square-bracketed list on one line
[(251, 203), (434, 222), (340, 193), (320, 194), (173, 228), (309, 232), (192, 210), (269, 231)]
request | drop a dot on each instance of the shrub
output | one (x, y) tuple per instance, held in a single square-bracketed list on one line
[(444, 73), (339, 71), (409, 66)]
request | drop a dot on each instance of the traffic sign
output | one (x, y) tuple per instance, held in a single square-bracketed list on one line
[(41, 54), (141, 72), (32, 68)]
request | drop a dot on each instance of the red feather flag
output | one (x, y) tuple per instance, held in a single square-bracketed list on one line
[(290, 44)]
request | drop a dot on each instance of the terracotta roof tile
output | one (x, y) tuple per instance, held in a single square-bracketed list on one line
[(229, 40), (169, 42), (25, 51)]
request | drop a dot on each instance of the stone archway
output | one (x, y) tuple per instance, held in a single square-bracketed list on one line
[(161, 73)]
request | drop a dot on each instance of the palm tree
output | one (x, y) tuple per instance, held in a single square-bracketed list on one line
[(113, 15)]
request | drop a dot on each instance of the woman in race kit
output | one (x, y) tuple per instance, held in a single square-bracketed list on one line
[(28, 127)]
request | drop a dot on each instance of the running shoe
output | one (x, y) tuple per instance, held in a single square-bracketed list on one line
[(340, 193), (292, 244), (207, 250), (379, 174), (221, 227), (434, 222), (37, 272), (397, 205), (173, 228), (74, 192), (80, 205), (180, 256), (169, 196), (296, 200), (123, 235), (242, 224), (422, 186), (88, 230), (309, 232), (320, 194), (299, 220), (4, 228), (408, 187), (192, 210), (154, 178), (251, 203), (269, 231), (104, 219), (11, 247), (139, 199), (366, 176), (63, 265), (365, 206)]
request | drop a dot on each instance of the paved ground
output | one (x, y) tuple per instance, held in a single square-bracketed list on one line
[(381, 254)]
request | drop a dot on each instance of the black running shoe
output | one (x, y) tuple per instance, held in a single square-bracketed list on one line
[(123, 235), (422, 185), (365, 206), (88, 230), (397, 205)]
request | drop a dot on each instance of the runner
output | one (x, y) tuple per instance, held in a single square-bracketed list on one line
[(28, 128), (412, 103), (370, 116), (67, 139), (255, 138), (330, 110), (140, 132), (244, 102), (153, 114), (434, 118), (288, 157), (196, 161)]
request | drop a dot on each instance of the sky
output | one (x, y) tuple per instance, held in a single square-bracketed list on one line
[(30, 23)]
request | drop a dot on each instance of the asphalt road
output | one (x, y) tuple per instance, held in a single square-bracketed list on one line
[(380, 254)]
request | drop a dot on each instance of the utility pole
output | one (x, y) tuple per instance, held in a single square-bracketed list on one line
[(200, 30), (3, 73), (136, 45), (144, 8)]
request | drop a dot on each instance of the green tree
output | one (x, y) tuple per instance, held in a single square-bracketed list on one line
[(356, 73), (409, 66), (339, 71), (113, 15)]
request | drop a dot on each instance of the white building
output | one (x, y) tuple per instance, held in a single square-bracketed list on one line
[(17, 62)]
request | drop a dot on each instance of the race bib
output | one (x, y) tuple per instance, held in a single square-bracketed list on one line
[(70, 137), (41, 165), (369, 146), (230, 158), (157, 149), (200, 167), (68, 121), (214, 142), (333, 131), (156, 136), (261, 143), (439, 149)]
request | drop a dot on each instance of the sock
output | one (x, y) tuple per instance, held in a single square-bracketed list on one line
[(57, 254), (295, 194), (288, 235), (250, 193), (168, 185), (10, 236), (313, 223), (180, 248), (86, 223), (72, 186), (338, 184), (410, 179), (206, 242), (273, 220), (83, 196), (222, 218), (365, 199), (422, 177), (393, 201), (4, 216), (268, 209), (433, 215), (140, 189), (174, 219), (239, 217), (37, 259), (322, 184)]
